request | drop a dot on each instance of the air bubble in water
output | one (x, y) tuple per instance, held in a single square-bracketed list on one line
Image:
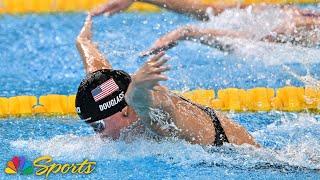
[(157, 26)]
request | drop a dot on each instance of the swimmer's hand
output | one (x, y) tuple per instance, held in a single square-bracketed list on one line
[(112, 7), (144, 82), (150, 73), (167, 41)]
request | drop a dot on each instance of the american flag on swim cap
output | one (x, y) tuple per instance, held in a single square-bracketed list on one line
[(104, 90)]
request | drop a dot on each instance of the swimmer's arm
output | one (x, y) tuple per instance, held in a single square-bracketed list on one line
[(156, 107), (190, 32), (203, 35), (93, 59), (197, 8)]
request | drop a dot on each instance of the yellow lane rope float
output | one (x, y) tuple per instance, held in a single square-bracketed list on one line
[(49, 6), (289, 98)]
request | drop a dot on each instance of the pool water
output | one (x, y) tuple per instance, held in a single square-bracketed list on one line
[(38, 56)]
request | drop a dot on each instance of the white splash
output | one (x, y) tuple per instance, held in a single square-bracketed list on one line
[(258, 24), (302, 151), (308, 80)]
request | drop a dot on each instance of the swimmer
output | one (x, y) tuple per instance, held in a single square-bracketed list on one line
[(297, 26), (112, 102)]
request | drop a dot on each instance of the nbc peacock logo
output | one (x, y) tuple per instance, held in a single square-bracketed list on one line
[(19, 165)]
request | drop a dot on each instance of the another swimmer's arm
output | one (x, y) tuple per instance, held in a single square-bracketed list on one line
[(93, 59), (198, 8), (203, 35), (194, 7)]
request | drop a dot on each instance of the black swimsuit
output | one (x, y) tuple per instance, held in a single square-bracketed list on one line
[(221, 136)]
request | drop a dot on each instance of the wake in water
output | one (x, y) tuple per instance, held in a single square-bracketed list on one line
[(271, 53), (259, 24), (308, 80), (291, 144), (295, 140)]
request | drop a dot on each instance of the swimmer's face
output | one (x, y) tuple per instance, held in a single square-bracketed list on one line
[(118, 121)]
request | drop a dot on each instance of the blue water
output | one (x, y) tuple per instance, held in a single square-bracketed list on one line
[(38, 56)]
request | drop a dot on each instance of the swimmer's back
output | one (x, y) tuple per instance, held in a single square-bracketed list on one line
[(194, 125)]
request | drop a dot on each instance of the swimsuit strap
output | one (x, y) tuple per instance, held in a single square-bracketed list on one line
[(220, 134)]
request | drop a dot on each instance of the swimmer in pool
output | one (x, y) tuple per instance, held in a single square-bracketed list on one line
[(112, 102), (286, 24)]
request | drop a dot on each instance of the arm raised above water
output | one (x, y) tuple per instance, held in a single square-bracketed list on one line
[(93, 59), (205, 36)]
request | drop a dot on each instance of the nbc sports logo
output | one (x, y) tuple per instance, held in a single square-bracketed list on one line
[(19, 164), (45, 165)]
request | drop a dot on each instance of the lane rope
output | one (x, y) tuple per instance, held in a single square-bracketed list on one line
[(289, 98)]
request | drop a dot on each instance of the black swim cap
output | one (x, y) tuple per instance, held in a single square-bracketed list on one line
[(101, 94)]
